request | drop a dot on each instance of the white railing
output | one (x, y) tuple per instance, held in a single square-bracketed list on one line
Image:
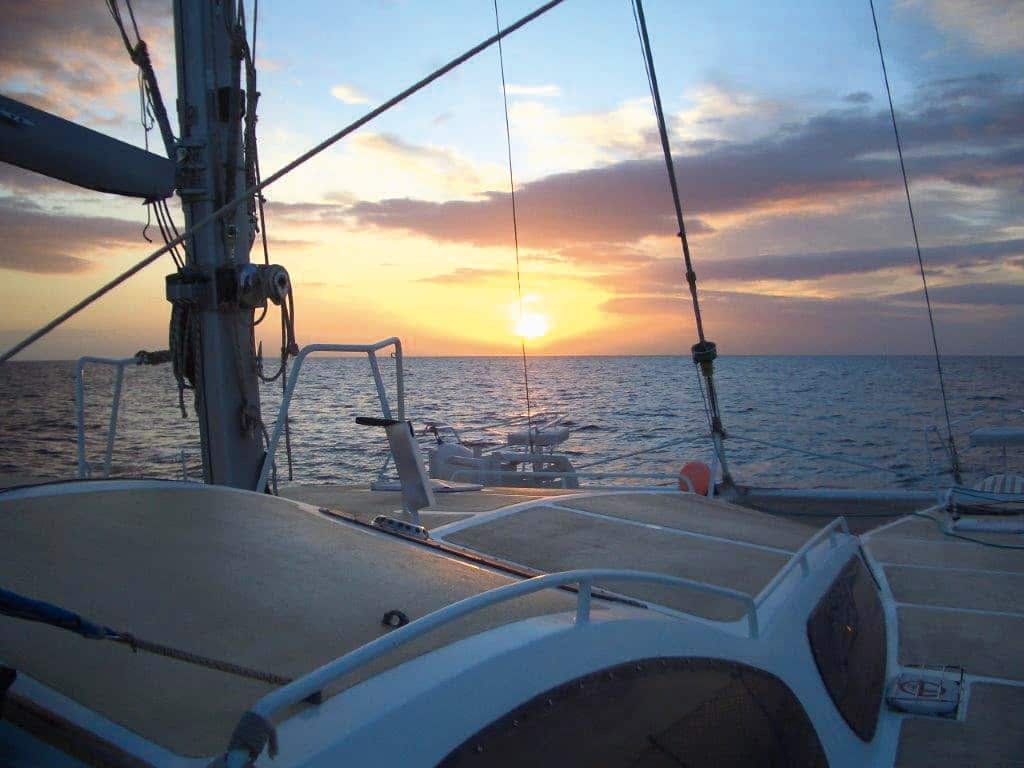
[(799, 558), (370, 350), (84, 468), (317, 680)]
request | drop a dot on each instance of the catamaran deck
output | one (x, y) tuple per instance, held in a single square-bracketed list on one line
[(280, 587), (960, 604), (237, 576), (284, 586)]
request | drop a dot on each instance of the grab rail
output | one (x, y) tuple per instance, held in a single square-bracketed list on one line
[(84, 469), (314, 682), (799, 557), (371, 352)]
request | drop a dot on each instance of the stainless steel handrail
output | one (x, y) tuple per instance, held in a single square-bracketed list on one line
[(119, 364), (799, 557), (314, 682), (370, 350)]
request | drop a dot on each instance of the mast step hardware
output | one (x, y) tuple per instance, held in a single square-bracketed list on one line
[(931, 691), (704, 351), (417, 492), (401, 527)]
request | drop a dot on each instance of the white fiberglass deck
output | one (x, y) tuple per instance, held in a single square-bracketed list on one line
[(282, 587), (279, 587), (238, 576), (959, 603)]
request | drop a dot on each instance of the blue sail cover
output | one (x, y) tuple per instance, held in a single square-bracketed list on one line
[(19, 607)]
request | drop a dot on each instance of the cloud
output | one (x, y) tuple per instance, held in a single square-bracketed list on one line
[(721, 111), (556, 213), (749, 323), (38, 241), (287, 243), (828, 161), (349, 94), (305, 212), (466, 275), (993, 26), (66, 56), (21, 181), (815, 266), (972, 294), (533, 90)]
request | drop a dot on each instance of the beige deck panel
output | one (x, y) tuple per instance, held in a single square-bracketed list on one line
[(983, 644), (551, 539), (366, 504), (696, 513), (14, 479), (861, 514), (991, 736), (945, 553), (927, 530), (959, 589), (242, 577)]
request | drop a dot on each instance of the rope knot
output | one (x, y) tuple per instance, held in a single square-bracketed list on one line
[(140, 55)]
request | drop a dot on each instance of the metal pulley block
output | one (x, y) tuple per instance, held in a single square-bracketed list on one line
[(248, 286), (259, 282)]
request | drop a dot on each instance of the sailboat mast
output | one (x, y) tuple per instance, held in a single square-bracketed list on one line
[(211, 172)]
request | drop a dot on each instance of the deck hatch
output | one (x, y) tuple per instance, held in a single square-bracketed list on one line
[(656, 713), (846, 631)]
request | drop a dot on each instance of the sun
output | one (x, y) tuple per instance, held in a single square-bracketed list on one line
[(532, 325)]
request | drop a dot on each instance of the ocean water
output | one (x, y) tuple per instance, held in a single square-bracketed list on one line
[(867, 410)]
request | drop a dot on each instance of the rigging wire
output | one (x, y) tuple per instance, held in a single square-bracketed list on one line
[(953, 455), (306, 156), (515, 229), (705, 351), (149, 88), (652, 82)]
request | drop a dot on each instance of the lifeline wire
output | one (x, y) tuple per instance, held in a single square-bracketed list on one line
[(953, 456), (515, 229), (276, 176)]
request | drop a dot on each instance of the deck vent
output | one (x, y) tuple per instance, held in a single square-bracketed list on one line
[(927, 691)]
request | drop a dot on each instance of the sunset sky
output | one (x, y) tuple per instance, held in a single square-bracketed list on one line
[(783, 145)]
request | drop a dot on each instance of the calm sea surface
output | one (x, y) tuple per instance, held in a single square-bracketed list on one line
[(865, 409)]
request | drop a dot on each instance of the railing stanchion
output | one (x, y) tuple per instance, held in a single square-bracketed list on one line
[(378, 380), (84, 470), (369, 350), (583, 602), (112, 428)]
